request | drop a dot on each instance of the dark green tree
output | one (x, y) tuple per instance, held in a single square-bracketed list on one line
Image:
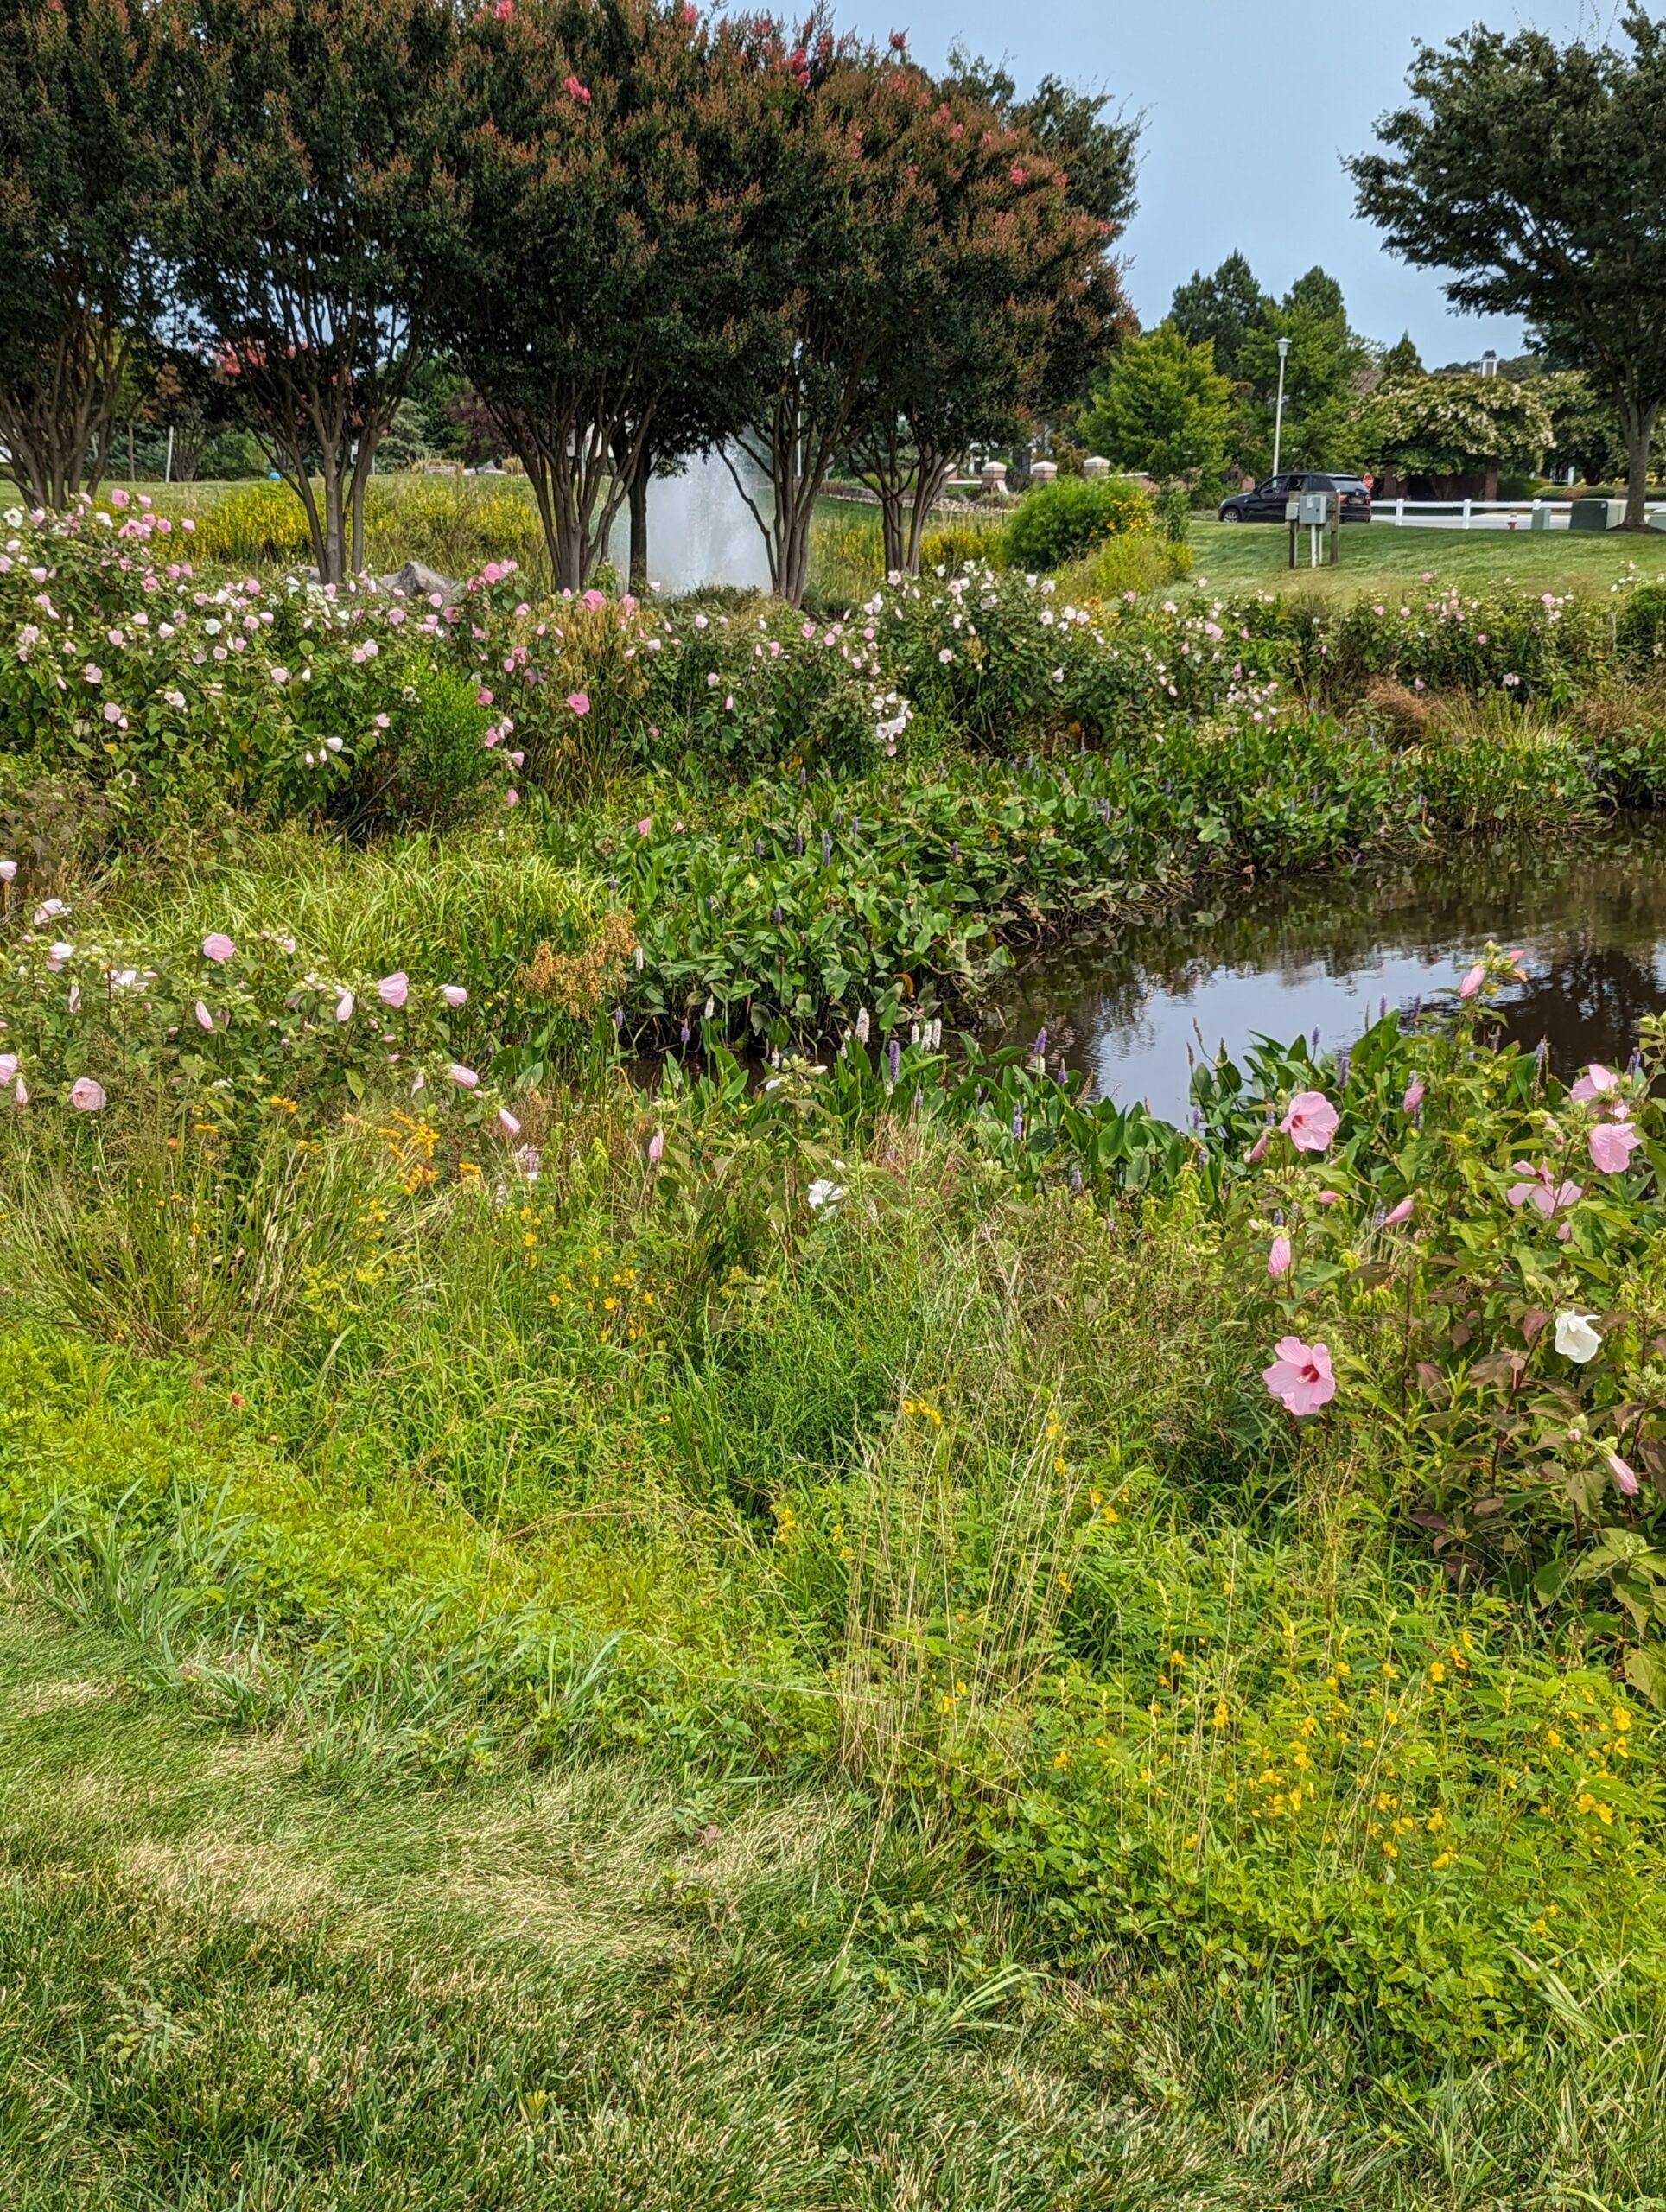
[(1403, 358), (1537, 173), (88, 141), (1222, 310), (306, 227)]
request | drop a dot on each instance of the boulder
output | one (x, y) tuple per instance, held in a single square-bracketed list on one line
[(415, 580)]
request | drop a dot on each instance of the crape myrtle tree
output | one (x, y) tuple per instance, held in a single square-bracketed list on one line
[(998, 275), (609, 173), (1537, 173), (88, 134), (305, 228), (847, 215)]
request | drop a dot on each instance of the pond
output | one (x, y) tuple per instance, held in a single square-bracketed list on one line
[(1325, 952)]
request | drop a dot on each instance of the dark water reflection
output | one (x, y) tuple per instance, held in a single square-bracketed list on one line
[(1324, 952)]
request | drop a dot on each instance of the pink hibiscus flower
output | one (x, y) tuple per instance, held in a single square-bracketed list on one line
[(1311, 1121), (1301, 1377)]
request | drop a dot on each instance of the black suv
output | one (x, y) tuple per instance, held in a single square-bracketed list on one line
[(1266, 503)]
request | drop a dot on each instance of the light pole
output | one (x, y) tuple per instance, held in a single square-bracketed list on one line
[(1278, 417)]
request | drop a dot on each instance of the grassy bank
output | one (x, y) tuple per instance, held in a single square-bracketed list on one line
[(1382, 558)]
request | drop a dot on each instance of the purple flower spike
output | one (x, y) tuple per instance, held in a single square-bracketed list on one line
[(1018, 1120), (894, 1053)]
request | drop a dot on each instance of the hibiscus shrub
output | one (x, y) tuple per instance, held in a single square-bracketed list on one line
[(124, 669), (1460, 1256)]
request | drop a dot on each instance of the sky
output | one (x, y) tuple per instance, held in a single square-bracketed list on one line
[(1248, 110)]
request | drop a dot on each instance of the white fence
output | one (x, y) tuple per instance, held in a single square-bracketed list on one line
[(1479, 514)]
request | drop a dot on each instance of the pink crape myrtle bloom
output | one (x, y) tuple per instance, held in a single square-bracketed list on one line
[(1545, 1193), (1301, 1377), (1594, 1084), (1311, 1121), (1611, 1145), (393, 990), (86, 1096), (1278, 1258), (218, 947)]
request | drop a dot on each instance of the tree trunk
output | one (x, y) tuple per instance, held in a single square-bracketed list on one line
[(891, 530), (638, 560), (1637, 423)]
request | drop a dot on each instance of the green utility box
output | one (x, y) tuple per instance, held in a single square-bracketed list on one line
[(1596, 514)]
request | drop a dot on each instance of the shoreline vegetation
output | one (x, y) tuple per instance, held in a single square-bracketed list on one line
[(891, 1633)]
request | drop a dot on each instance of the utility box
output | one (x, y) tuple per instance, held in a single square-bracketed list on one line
[(1596, 514), (1540, 518), (1314, 508)]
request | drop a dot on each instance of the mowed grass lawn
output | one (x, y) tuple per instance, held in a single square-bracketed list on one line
[(1376, 556), (234, 1973)]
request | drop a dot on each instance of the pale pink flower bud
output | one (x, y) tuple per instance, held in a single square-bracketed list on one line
[(1395, 1215), (205, 1019), (1625, 1481), (1414, 1095), (454, 995), (1278, 1259), (344, 1006), (507, 1122), (1257, 1151), (657, 1147), (1473, 981), (394, 989), (465, 1078)]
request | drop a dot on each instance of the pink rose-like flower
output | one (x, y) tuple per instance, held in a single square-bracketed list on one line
[(1301, 1377), (1414, 1095), (393, 990), (465, 1078), (507, 1122), (1625, 1481), (218, 947), (1311, 1121), (205, 1019), (1395, 1215), (454, 995), (1278, 1258), (1594, 1084), (1611, 1145), (86, 1096), (1473, 981), (1548, 1196), (579, 701)]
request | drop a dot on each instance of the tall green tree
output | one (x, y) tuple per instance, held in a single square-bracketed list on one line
[(89, 139), (1222, 310), (1537, 173), (1325, 362), (305, 227), (1163, 408)]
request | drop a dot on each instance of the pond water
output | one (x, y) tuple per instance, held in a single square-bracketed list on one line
[(1324, 953)]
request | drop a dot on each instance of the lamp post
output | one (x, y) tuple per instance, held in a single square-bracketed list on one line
[(1278, 417)]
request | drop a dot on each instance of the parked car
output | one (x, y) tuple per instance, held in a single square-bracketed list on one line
[(1266, 503)]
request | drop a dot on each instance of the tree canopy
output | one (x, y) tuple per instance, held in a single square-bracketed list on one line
[(1162, 409), (1536, 174)]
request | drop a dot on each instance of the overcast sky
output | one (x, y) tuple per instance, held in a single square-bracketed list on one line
[(1249, 106)]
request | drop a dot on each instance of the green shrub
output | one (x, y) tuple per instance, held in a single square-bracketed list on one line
[(257, 524), (1055, 522), (1135, 562)]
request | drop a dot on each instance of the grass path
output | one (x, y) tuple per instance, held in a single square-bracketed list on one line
[(227, 1981)]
